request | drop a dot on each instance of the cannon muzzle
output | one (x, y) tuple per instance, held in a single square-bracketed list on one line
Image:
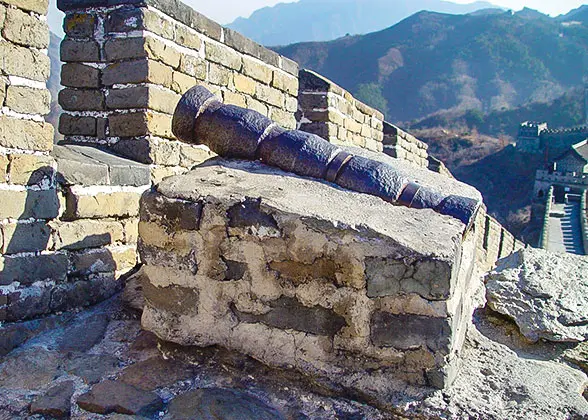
[(234, 132)]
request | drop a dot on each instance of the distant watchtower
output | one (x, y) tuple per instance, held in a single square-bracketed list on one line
[(529, 137)]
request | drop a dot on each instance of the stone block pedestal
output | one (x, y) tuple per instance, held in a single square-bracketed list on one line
[(301, 274)]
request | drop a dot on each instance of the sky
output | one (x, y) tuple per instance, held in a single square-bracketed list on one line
[(225, 11)]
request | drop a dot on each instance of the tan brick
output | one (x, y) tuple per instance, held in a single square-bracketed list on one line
[(269, 95), (3, 168), (352, 125), (24, 29), (285, 82), (124, 257), (131, 229), (257, 106), (152, 97), (3, 86), (25, 237), (181, 82), (366, 130), (25, 134), (291, 104), (2, 16), (224, 55), (37, 6), (160, 51), (219, 75), (233, 98), (24, 62), (157, 24), (193, 66), (24, 169), (26, 204), (81, 234), (193, 155), (244, 84), (285, 119), (102, 205), (257, 70), (187, 37), (159, 173), (137, 71), (140, 124), (28, 100)]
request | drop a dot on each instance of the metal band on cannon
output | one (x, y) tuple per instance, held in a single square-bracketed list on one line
[(234, 132)]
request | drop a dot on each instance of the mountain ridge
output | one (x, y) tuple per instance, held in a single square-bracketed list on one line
[(282, 23)]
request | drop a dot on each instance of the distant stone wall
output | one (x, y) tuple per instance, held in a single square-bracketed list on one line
[(329, 111), (493, 241), (68, 218), (401, 145), (127, 66), (584, 220)]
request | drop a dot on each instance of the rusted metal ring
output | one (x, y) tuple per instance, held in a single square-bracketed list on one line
[(409, 193), (336, 164)]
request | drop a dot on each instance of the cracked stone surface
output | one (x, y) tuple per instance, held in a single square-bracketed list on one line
[(545, 293), (502, 376)]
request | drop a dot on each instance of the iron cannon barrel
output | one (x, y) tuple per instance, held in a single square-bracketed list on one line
[(235, 132)]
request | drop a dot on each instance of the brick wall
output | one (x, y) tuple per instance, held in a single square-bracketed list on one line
[(401, 145), (330, 112), (68, 219), (127, 66)]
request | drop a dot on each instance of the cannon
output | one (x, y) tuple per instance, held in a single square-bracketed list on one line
[(239, 133)]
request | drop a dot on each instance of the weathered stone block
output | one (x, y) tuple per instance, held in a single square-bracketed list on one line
[(88, 291), (124, 20), (3, 168), (81, 205), (171, 214), (193, 66), (28, 100), (116, 49), (79, 25), (37, 6), (289, 66), (270, 95), (25, 237), (220, 75), (74, 125), (187, 37), (24, 29), (81, 99), (181, 83), (233, 98), (221, 54), (410, 331), (176, 299), (25, 134), (258, 70), (285, 82), (90, 262), (24, 62), (140, 124), (284, 118), (32, 268), (80, 76), (258, 106), (138, 71), (150, 97), (75, 50), (288, 313), (37, 204), (82, 234), (244, 84), (30, 169)]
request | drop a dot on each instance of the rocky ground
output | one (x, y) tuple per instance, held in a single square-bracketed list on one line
[(99, 364)]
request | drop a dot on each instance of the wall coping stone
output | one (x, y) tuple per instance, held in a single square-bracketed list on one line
[(86, 165)]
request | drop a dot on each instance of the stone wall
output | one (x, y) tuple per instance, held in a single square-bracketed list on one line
[(339, 285), (584, 221), (493, 241), (329, 111), (127, 66), (68, 218), (401, 145)]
